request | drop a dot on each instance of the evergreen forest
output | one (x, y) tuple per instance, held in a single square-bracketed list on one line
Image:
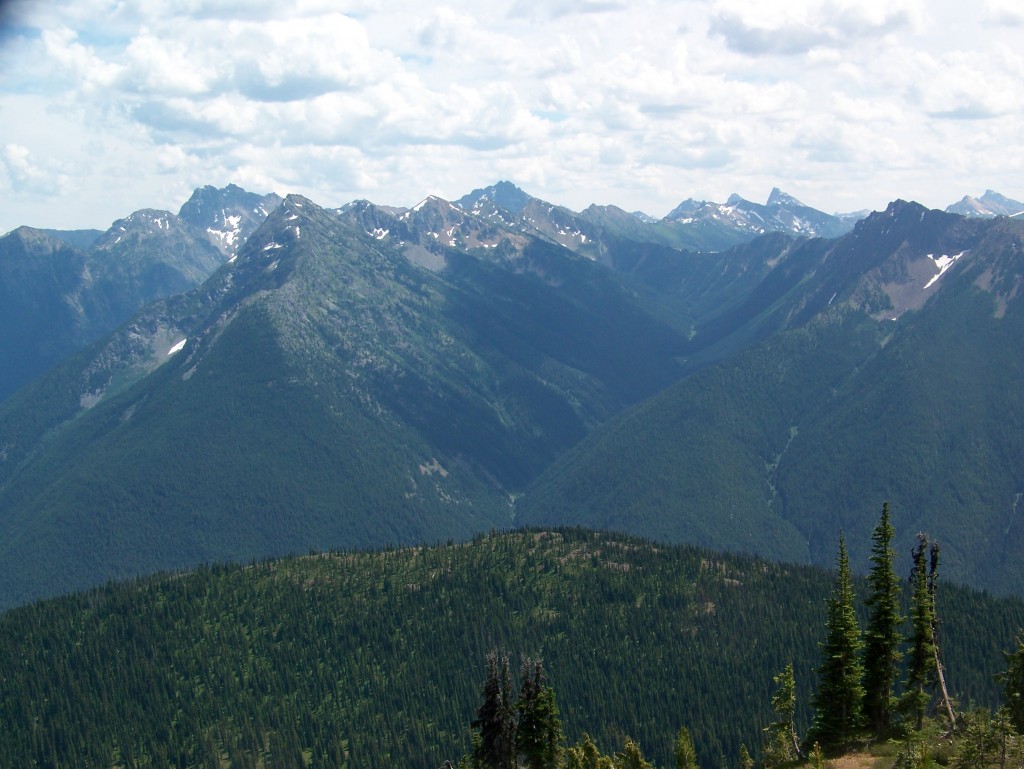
[(673, 654)]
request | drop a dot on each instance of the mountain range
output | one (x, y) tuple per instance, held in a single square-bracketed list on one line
[(371, 375), (988, 205), (896, 378), (60, 290)]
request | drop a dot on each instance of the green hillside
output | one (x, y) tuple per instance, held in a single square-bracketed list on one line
[(693, 464), (377, 658), (56, 299), (327, 393), (371, 377), (935, 422), (889, 393)]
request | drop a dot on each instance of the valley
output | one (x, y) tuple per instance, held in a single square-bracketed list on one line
[(560, 368)]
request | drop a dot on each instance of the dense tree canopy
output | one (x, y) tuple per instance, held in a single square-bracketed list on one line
[(375, 659)]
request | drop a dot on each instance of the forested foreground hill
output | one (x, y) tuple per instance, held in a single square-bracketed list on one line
[(377, 659)]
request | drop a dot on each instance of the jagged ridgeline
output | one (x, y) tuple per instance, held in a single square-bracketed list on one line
[(377, 659), (61, 290), (369, 376)]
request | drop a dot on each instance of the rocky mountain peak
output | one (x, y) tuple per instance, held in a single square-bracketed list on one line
[(780, 198), (503, 194), (227, 216), (688, 206), (36, 241), (140, 225), (988, 205)]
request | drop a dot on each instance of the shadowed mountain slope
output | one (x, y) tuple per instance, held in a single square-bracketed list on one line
[(901, 377), (60, 291), (320, 390)]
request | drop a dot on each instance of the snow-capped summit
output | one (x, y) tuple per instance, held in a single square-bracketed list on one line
[(781, 213), (988, 205), (229, 215), (780, 198), (504, 194)]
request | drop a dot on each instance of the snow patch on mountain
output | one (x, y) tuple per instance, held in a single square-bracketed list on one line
[(228, 234), (988, 205), (781, 213), (943, 263)]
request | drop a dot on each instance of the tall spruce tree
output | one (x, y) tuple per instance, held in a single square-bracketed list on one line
[(1013, 683), (921, 652), (684, 753), (496, 718), (781, 742), (539, 732), (631, 756), (839, 699), (882, 637)]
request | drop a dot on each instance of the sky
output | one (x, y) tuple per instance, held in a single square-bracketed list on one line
[(110, 106)]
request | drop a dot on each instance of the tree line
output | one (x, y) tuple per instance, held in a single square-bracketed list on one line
[(859, 698), (354, 658), (526, 731)]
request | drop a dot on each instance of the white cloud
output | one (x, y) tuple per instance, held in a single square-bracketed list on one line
[(589, 101), (29, 175), (161, 67), (446, 29), (554, 9), (79, 63), (959, 85), (1004, 13), (801, 26)]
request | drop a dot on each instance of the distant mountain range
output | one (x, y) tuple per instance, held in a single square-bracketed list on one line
[(897, 377), (696, 225), (371, 375), (782, 213), (988, 205), (60, 290)]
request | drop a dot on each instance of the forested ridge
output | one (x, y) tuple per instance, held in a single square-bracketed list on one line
[(376, 658)]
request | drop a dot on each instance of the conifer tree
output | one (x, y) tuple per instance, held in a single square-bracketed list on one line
[(1005, 737), (816, 760), (782, 744), (838, 701), (882, 637), (684, 752), (539, 732), (495, 718), (585, 755), (1013, 683), (924, 669), (978, 742), (921, 653), (631, 757)]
